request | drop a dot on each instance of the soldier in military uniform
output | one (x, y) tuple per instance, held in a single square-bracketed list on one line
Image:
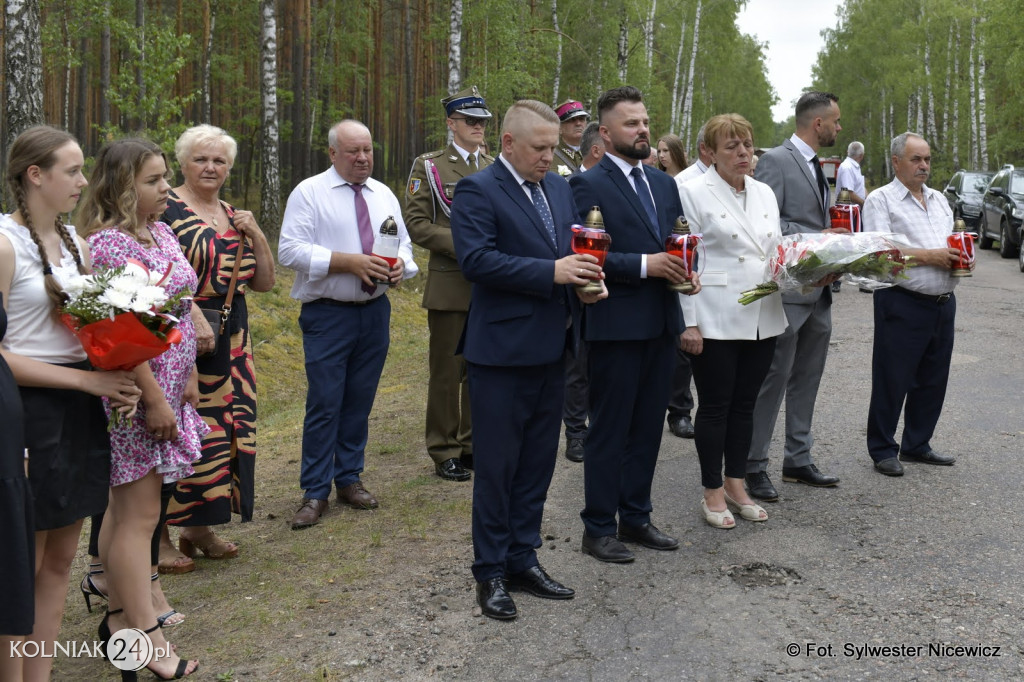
[(428, 201), (573, 119)]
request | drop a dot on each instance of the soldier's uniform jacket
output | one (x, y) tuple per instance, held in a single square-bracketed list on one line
[(568, 157), (428, 197)]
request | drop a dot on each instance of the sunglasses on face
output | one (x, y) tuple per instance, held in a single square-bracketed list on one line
[(470, 121)]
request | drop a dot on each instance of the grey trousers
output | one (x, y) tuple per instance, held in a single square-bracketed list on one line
[(799, 361)]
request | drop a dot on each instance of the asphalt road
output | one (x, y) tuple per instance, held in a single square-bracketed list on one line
[(921, 564)]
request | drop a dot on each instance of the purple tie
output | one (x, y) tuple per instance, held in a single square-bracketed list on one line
[(365, 229)]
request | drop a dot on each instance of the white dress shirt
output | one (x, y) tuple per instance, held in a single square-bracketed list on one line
[(850, 177), (627, 169), (320, 218), (892, 208)]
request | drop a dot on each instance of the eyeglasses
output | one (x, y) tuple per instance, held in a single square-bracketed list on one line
[(470, 121)]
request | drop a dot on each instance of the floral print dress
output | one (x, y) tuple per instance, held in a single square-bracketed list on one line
[(133, 451)]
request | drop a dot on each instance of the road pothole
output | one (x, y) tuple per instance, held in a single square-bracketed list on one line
[(760, 574)]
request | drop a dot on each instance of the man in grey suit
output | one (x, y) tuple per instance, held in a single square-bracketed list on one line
[(793, 172)]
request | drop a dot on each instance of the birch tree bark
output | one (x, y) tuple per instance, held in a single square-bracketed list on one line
[(931, 129), (23, 68), (982, 121), (649, 39), (207, 108), (955, 123), (688, 100), (973, 80), (677, 82), (270, 196), (455, 48), (948, 94), (623, 59), (558, 52)]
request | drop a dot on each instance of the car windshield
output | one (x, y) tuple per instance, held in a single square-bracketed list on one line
[(1017, 183), (976, 183)]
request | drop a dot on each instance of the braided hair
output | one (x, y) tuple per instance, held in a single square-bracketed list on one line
[(38, 147)]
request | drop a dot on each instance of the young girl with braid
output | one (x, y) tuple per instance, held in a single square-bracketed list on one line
[(64, 422), (128, 190)]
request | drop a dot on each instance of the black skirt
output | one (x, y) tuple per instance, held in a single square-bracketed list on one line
[(68, 454), (17, 530)]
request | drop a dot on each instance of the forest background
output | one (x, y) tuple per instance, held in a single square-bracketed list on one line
[(276, 73)]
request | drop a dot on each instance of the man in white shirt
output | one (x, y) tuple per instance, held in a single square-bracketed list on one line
[(849, 175), (913, 320), (327, 237), (695, 170)]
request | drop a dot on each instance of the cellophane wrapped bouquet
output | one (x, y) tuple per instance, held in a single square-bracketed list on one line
[(798, 261), (122, 316)]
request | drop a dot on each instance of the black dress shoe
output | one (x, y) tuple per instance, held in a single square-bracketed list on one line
[(647, 535), (681, 426), (494, 600), (890, 467), (760, 487), (607, 548), (928, 457), (810, 475), (451, 470), (537, 582), (467, 461), (574, 449)]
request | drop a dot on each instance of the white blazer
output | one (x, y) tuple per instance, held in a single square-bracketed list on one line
[(735, 258)]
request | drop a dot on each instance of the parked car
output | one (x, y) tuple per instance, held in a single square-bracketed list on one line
[(1003, 212), (964, 191)]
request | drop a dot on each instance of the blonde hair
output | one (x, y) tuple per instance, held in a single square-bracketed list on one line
[(201, 136), (725, 125), (38, 146), (112, 200), (520, 112)]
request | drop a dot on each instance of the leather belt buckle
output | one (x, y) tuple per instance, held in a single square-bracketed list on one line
[(942, 298)]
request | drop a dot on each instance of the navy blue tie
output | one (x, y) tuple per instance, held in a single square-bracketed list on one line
[(541, 205), (644, 194)]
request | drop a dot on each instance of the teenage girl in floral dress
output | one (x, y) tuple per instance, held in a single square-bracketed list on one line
[(128, 190)]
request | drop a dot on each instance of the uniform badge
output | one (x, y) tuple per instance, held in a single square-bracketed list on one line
[(414, 185), (449, 189)]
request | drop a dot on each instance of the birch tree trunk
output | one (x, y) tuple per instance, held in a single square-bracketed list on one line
[(649, 39), (105, 68), (623, 44), (207, 108), (455, 48), (558, 52), (982, 122), (973, 79), (677, 82), (955, 123), (932, 131), (688, 100), (23, 68), (270, 196), (919, 123), (140, 80), (948, 95)]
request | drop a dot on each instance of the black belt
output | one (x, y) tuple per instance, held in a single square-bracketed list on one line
[(345, 304), (931, 298)]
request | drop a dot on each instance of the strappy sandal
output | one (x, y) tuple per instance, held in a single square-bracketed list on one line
[(751, 512), (88, 587), (164, 620), (209, 544)]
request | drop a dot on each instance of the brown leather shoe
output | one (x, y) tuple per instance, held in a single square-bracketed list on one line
[(357, 497), (309, 513)]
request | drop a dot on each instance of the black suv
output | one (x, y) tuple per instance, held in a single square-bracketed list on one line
[(964, 191), (1002, 212)]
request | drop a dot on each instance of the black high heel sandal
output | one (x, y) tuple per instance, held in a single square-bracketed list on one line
[(132, 675), (89, 588)]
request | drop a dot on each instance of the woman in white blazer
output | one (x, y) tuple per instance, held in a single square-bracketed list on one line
[(731, 345)]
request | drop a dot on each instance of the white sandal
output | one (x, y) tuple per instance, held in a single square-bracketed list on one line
[(751, 512), (722, 519)]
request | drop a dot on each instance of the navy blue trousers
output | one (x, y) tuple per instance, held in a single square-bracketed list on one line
[(909, 371), (517, 415), (345, 350), (630, 382)]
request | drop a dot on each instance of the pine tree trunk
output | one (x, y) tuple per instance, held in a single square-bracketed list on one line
[(558, 52), (105, 68), (270, 195), (23, 68), (688, 99)]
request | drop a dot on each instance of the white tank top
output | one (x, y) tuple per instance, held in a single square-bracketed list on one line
[(32, 329)]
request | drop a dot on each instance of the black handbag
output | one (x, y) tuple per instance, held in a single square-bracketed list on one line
[(218, 319)]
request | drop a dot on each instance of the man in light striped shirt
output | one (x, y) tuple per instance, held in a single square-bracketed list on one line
[(914, 320)]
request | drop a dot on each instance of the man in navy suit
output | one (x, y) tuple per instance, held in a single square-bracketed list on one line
[(633, 335), (510, 223)]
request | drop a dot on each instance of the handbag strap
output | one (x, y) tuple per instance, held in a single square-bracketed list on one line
[(226, 310)]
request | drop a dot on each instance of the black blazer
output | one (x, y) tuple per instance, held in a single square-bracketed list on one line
[(636, 308)]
